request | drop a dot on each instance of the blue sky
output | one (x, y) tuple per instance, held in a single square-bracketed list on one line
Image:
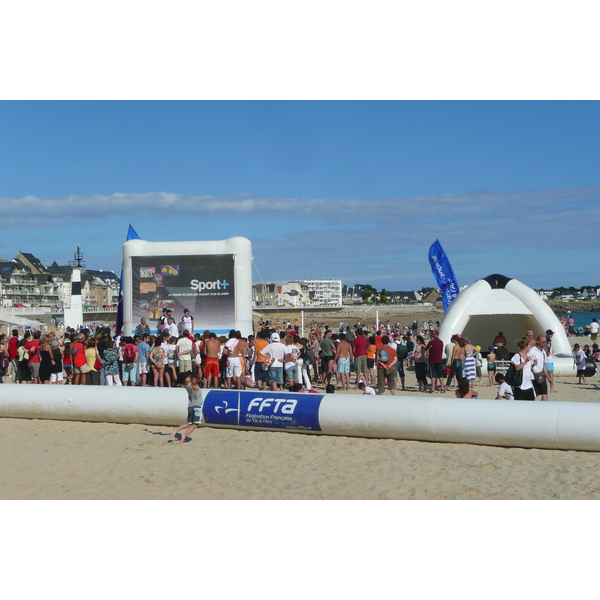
[(351, 190)]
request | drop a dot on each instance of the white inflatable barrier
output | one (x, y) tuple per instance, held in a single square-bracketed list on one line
[(145, 406), (557, 425), (554, 425)]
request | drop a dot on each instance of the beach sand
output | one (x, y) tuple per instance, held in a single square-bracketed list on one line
[(72, 460)]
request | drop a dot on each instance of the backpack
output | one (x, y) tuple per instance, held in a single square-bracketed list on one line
[(128, 354), (4, 362), (308, 356), (401, 351)]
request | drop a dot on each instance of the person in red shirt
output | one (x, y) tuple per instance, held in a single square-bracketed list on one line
[(33, 349), (437, 366), (13, 348), (385, 368), (359, 348)]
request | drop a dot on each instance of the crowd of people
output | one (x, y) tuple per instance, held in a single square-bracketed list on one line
[(372, 358)]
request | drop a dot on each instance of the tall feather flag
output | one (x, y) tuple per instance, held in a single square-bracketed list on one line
[(443, 273), (131, 235)]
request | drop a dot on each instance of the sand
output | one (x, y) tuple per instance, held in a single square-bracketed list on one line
[(73, 460)]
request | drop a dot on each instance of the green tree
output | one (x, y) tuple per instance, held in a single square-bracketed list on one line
[(366, 295)]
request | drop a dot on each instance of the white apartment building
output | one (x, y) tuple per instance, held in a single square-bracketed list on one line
[(321, 292)]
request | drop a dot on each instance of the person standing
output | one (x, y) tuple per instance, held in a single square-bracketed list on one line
[(292, 354), (79, 361), (538, 368), (580, 360), (184, 352), (594, 330), (212, 348), (457, 361), (328, 350), (46, 360), (33, 348), (386, 361), (129, 354), (343, 356), (13, 354), (143, 370), (522, 362), (314, 345), (420, 360), (470, 368), (550, 359), (491, 365), (276, 352), (261, 374), (359, 348), (435, 349), (171, 328), (111, 364), (142, 329), (91, 356), (187, 321), (571, 326), (371, 367)]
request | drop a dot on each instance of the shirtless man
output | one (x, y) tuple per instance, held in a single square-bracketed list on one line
[(211, 365), (499, 339), (342, 356), (491, 366), (235, 359)]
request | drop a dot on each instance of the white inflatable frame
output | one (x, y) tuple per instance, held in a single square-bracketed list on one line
[(553, 425), (498, 303), (240, 247)]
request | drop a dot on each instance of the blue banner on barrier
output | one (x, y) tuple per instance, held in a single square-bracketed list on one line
[(273, 410)]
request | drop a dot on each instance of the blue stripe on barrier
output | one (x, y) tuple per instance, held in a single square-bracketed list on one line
[(272, 410)]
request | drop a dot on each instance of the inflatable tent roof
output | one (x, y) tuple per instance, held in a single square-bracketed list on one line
[(498, 303)]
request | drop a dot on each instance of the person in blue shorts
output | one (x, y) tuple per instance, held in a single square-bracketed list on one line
[(194, 419)]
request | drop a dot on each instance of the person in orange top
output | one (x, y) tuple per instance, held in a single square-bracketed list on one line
[(261, 375), (371, 361), (385, 367)]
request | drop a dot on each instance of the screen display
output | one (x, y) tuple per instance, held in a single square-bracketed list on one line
[(202, 284)]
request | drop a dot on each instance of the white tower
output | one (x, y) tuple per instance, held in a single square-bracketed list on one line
[(74, 312)]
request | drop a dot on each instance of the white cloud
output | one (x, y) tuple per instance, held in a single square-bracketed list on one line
[(511, 206), (380, 240)]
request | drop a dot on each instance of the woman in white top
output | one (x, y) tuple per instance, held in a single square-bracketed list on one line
[(522, 362), (170, 348), (292, 354)]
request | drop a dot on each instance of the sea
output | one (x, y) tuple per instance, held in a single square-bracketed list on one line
[(582, 318)]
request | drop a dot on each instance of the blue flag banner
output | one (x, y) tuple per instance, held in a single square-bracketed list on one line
[(443, 273), (131, 235)]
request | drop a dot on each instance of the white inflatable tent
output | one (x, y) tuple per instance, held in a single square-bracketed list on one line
[(498, 303), (213, 279)]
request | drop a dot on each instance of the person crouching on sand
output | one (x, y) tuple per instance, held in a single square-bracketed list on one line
[(194, 419)]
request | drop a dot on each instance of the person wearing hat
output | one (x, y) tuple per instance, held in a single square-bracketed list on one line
[(478, 363), (187, 321), (275, 352), (163, 320)]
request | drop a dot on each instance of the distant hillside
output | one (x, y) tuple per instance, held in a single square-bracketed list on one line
[(576, 307)]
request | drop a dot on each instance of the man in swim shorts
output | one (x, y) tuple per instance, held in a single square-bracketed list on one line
[(211, 364), (343, 355), (491, 365)]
